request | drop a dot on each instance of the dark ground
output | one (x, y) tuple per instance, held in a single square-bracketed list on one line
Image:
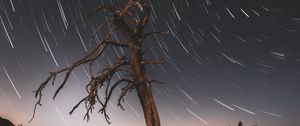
[(5, 122)]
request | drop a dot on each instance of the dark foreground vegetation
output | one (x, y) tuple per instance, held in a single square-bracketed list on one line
[(5, 122)]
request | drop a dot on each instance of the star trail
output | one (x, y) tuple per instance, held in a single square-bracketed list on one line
[(227, 61)]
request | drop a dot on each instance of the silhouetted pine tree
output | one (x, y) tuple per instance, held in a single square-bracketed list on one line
[(240, 123)]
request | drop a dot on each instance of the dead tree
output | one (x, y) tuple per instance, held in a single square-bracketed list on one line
[(129, 21)]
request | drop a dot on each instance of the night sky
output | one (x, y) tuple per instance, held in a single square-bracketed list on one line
[(228, 60)]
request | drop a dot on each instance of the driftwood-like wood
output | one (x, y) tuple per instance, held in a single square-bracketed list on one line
[(132, 64)]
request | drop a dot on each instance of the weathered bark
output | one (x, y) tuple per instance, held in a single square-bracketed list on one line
[(142, 85), (147, 101)]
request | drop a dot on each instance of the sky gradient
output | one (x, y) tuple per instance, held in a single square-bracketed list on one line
[(228, 60)]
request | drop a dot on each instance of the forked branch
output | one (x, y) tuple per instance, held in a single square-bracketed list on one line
[(95, 83)]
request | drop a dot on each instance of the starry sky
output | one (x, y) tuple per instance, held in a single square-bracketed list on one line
[(228, 60)]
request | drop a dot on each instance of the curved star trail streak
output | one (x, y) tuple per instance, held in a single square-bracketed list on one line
[(11, 82), (7, 35), (197, 116), (272, 114), (243, 109), (221, 103)]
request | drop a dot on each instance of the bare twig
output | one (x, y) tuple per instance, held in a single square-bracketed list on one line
[(111, 9), (155, 81), (155, 33)]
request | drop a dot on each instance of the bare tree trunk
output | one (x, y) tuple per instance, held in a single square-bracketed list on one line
[(142, 85), (148, 105)]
